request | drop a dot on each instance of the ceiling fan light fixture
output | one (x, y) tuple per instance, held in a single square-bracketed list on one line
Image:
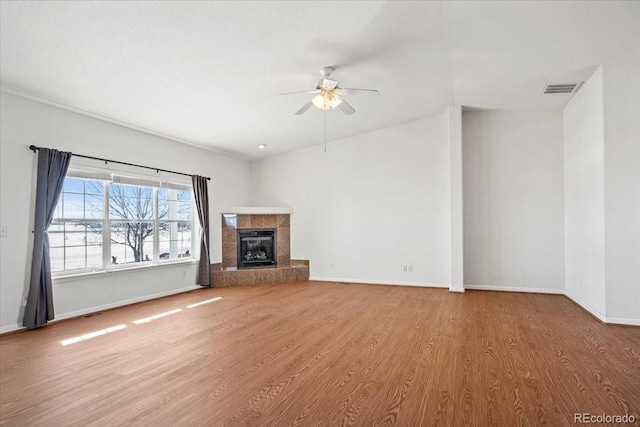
[(326, 100), (329, 94)]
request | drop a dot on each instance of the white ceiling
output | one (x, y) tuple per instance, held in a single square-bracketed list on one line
[(208, 73)]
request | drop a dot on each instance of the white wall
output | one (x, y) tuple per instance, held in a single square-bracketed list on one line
[(584, 197), (621, 87), (513, 200), (372, 204), (25, 122)]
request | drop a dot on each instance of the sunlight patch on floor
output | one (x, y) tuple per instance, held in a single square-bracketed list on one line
[(204, 302), (92, 335), (137, 322), (157, 316)]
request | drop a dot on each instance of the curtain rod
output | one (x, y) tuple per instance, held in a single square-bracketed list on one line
[(34, 149)]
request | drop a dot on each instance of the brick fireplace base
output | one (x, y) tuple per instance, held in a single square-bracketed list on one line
[(297, 271)]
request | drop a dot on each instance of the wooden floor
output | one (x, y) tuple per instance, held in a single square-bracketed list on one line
[(324, 354)]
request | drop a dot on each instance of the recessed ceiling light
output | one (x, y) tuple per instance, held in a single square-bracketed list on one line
[(262, 146)]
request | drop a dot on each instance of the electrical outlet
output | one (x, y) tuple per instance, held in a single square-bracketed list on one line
[(404, 268), (410, 268), (184, 273), (3, 231)]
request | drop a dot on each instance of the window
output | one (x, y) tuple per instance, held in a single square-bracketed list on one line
[(110, 224), (75, 235), (174, 223)]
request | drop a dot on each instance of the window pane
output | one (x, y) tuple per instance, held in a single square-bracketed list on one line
[(184, 231), (162, 194), (72, 205), (174, 204), (74, 258), (184, 196), (133, 191), (56, 255), (168, 204), (148, 249), (94, 233), (132, 242), (163, 209), (57, 213), (118, 253), (74, 234), (56, 234), (184, 211), (175, 240), (130, 202), (72, 243), (94, 206), (80, 199), (73, 185), (93, 187), (94, 256)]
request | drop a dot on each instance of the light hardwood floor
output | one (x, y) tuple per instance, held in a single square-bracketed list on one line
[(324, 354)]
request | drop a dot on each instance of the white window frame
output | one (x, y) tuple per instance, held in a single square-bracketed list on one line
[(109, 179)]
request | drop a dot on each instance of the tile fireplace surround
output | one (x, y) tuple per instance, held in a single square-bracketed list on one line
[(226, 273)]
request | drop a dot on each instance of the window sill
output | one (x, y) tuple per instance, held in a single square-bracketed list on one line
[(137, 268)]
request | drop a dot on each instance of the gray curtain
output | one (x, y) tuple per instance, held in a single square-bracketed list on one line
[(201, 195), (52, 168)]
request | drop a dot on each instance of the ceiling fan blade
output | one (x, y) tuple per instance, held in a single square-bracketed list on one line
[(354, 91), (304, 108), (346, 108), (303, 91)]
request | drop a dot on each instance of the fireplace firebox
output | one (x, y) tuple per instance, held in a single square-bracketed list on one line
[(257, 248)]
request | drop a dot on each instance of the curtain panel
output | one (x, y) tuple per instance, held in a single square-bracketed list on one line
[(201, 196), (52, 169)]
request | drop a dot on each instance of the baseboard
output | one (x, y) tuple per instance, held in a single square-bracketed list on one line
[(377, 282), (10, 328), (72, 314), (623, 321), (515, 289), (595, 313)]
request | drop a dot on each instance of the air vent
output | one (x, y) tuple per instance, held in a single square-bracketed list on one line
[(562, 88)]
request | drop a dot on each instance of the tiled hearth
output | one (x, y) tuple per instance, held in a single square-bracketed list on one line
[(226, 273)]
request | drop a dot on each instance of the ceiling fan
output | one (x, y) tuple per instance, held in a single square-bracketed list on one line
[(328, 95)]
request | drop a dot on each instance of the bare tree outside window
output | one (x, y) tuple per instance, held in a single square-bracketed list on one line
[(131, 218), (131, 215)]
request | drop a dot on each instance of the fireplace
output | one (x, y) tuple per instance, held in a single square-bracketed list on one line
[(282, 269), (257, 248)]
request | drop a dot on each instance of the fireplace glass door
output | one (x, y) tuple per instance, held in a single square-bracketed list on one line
[(256, 248)]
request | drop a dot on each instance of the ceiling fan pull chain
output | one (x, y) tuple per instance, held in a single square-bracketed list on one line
[(325, 131)]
